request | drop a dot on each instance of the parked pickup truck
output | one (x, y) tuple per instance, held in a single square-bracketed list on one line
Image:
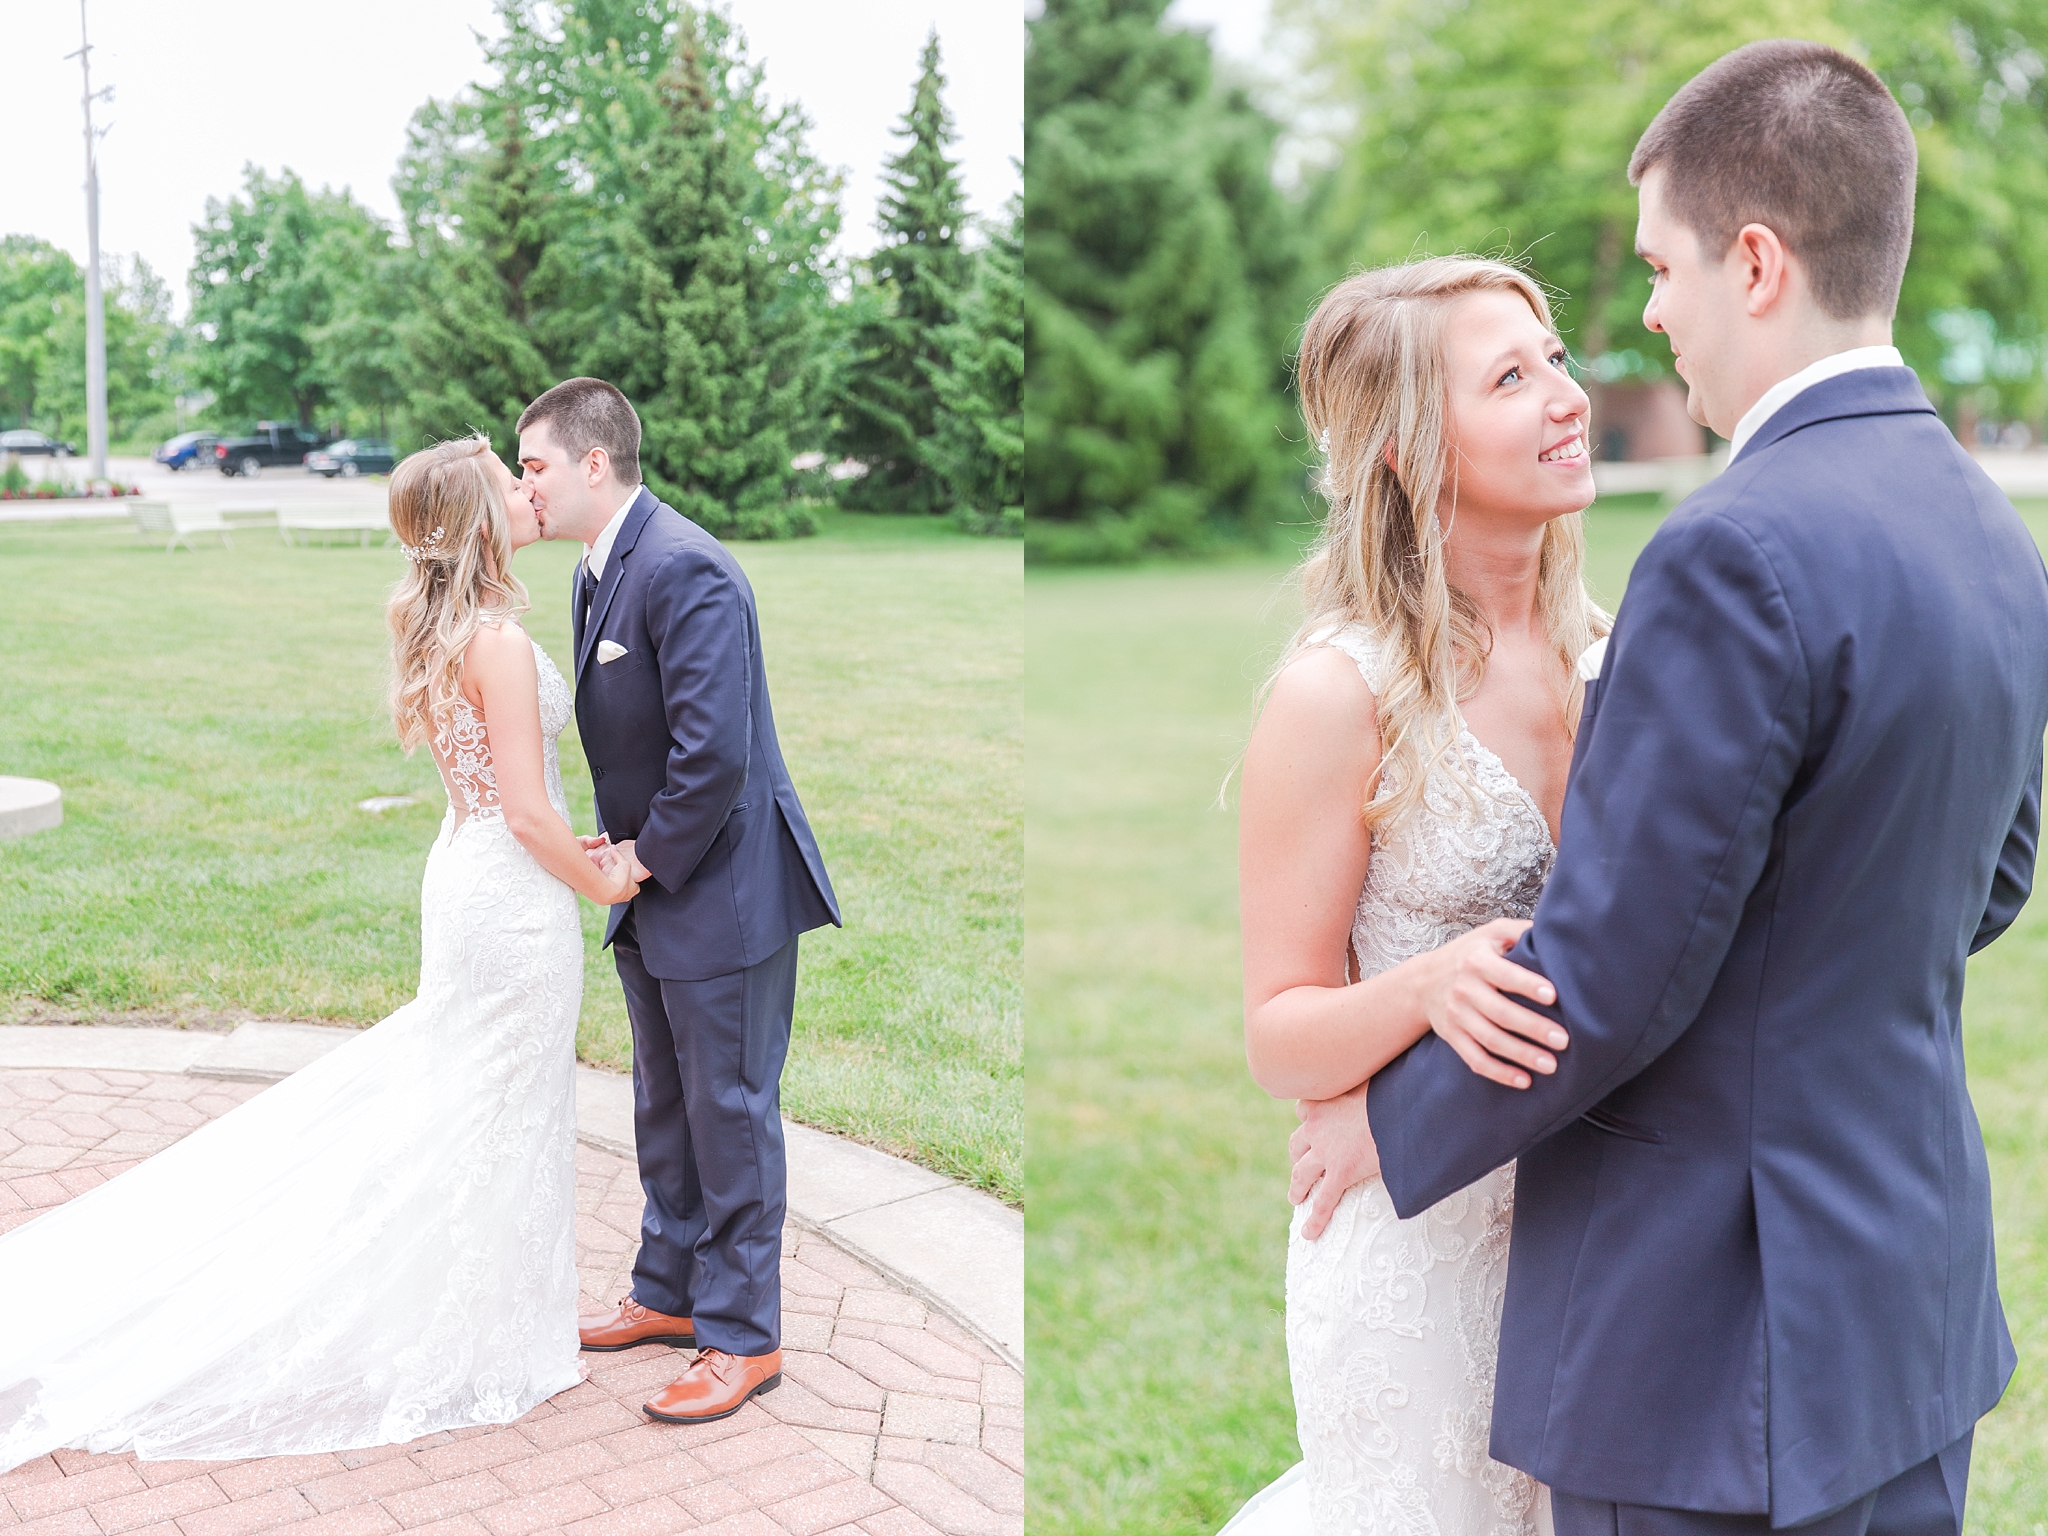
[(272, 443)]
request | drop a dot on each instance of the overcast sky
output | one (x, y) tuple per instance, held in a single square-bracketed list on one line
[(204, 86), (1236, 27)]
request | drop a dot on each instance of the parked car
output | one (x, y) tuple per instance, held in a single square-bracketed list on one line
[(352, 456), (271, 444), (186, 450), (26, 441)]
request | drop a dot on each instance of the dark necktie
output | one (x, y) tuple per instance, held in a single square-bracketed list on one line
[(589, 590)]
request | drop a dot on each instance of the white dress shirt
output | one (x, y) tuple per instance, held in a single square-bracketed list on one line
[(1779, 393), (595, 554)]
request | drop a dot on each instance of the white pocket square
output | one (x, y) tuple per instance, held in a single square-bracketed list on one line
[(609, 651)]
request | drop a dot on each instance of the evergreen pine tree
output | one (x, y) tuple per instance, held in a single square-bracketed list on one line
[(729, 377), (977, 444), (890, 407), (472, 354), (1160, 292)]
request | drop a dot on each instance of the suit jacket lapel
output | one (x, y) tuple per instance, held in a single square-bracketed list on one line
[(614, 568)]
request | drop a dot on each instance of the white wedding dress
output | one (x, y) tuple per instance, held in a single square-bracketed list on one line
[(377, 1248), (1392, 1325)]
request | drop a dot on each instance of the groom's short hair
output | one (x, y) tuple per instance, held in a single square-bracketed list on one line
[(588, 413), (1806, 141)]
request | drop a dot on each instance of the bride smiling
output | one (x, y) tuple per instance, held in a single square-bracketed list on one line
[(1401, 798)]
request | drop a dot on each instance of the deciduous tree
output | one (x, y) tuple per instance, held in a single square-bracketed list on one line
[(268, 269), (1506, 126)]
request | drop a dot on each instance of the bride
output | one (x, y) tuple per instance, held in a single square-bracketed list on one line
[(381, 1246), (1400, 806)]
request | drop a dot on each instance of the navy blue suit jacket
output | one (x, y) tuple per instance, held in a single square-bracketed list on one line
[(1752, 1266), (683, 757)]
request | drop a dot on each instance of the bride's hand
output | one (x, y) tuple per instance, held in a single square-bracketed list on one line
[(1466, 1002), (1332, 1150), (618, 872)]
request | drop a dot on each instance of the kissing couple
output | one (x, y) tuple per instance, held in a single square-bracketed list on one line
[(383, 1245), (1619, 975)]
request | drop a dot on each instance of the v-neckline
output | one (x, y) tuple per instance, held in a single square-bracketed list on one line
[(1529, 800)]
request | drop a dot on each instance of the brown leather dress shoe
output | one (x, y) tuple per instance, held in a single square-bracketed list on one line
[(629, 1323), (716, 1386)]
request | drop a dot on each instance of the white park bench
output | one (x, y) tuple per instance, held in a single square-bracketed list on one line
[(294, 523), (175, 523)]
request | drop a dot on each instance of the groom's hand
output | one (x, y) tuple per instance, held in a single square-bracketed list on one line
[(1467, 998), (640, 871), (1332, 1150)]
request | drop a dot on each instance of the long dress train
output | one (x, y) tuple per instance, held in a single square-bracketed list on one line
[(377, 1248)]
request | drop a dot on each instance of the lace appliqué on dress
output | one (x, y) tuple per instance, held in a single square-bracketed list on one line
[(462, 746), (1392, 1325)]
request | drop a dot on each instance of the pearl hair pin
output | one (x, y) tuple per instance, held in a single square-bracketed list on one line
[(419, 553)]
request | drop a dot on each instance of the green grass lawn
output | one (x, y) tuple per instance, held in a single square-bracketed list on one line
[(214, 717), (1158, 1397)]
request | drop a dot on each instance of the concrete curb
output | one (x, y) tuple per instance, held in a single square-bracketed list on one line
[(29, 805), (955, 1248)]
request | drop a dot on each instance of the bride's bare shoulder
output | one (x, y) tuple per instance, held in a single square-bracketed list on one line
[(498, 648), (1320, 717), (1326, 683)]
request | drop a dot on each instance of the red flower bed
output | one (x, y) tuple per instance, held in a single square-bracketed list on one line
[(46, 493)]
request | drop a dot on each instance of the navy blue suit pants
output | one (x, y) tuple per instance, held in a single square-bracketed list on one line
[(707, 1069), (1926, 1500)]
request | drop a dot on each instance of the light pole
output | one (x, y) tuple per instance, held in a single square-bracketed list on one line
[(95, 304)]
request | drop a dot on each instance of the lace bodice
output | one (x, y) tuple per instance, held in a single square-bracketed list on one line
[(1453, 864), (462, 748), (1392, 1325)]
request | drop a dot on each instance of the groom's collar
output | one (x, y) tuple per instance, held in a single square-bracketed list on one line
[(1834, 364), (631, 518), (1863, 392), (599, 550)]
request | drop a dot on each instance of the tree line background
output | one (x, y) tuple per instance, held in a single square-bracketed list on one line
[(1168, 268), (618, 197)]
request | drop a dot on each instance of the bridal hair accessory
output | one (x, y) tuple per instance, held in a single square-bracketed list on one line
[(423, 551)]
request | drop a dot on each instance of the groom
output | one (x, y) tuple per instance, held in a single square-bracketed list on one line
[(672, 706), (1752, 1284)]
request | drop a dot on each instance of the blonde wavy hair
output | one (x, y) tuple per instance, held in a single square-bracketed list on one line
[(447, 509), (1372, 379)]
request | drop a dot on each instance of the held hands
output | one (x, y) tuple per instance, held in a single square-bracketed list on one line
[(617, 863), (1465, 999), (1332, 1150)]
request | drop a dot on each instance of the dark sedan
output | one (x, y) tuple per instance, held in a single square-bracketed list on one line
[(353, 456), (22, 440)]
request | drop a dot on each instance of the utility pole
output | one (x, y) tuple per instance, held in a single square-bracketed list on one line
[(95, 304)]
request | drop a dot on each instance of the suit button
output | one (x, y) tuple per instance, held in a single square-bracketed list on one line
[(597, 773)]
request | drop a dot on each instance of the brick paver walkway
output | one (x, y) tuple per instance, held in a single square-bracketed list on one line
[(890, 1421)]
